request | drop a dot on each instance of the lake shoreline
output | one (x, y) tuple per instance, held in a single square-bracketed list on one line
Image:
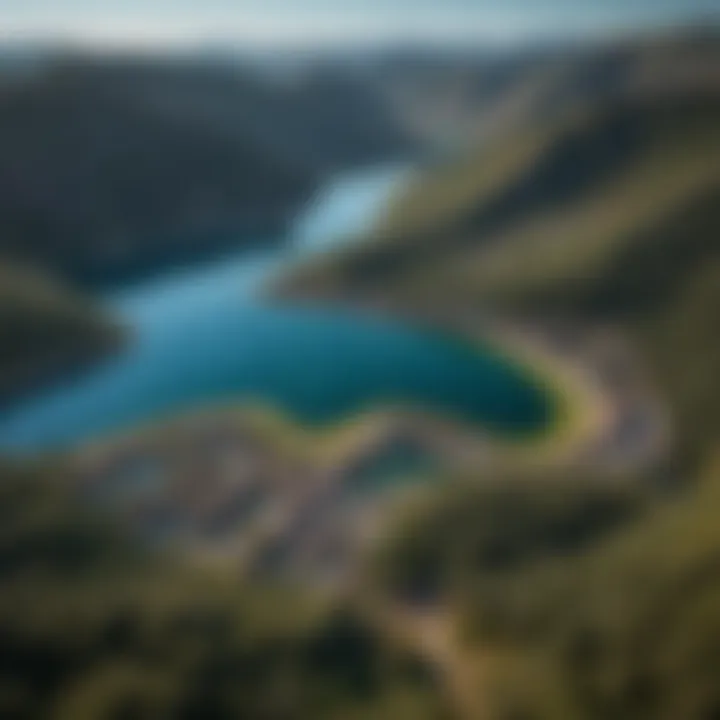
[(323, 494), (572, 365)]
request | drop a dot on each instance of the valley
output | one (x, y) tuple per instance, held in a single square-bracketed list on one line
[(377, 385)]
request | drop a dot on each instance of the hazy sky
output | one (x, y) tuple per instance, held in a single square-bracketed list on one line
[(180, 21)]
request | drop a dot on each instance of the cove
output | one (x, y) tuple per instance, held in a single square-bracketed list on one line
[(203, 336)]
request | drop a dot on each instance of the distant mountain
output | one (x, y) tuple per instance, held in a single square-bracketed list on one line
[(447, 97), (113, 166), (450, 96)]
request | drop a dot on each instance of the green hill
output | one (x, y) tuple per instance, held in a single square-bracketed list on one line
[(610, 215), (576, 599), (45, 329), (629, 629)]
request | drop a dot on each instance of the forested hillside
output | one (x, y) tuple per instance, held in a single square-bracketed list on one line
[(46, 329), (113, 167)]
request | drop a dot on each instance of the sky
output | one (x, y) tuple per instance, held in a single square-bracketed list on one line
[(177, 22)]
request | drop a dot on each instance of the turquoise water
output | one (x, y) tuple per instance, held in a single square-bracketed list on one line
[(203, 336)]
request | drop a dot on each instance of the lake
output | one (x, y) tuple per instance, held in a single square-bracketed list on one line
[(204, 336)]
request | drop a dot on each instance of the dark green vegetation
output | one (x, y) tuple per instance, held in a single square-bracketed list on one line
[(630, 630), (44, 329), (579, 602), (474, 531), (119, 166), (92, 627)]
